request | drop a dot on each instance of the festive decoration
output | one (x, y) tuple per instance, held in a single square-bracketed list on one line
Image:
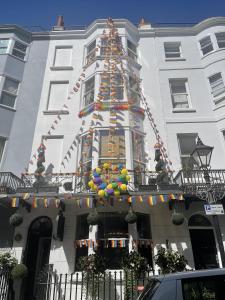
[(16, 219), (131, 217), (108, 181), (177, 218), (93, 217)]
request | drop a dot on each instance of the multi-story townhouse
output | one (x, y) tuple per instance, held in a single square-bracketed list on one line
[(117, 99)]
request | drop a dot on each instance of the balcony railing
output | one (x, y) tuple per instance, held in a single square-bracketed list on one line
[(9, 183), (78, 182), (199, 182)]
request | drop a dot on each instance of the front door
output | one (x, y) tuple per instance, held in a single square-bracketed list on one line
[(204, 248)]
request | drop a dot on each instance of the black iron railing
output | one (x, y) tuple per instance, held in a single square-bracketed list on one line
[(4, 284), (199, 182), (9, 182), (112, 285), (78, 182)]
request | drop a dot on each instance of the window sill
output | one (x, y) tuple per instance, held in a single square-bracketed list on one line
[(66, 68), (23, 60), (213, 51), (183, 110), (175, 59), (7, 107), (56, 112)]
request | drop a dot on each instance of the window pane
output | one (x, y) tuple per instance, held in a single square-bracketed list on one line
[(172, 49), (205, 288), (131, 46), (220, 36), (20, 46), (11, 86), (86, 149), (178, 86), (217, 84), (111, 86), (138, 147), (7, 99), (206, 45), (89, 91), (18, 54), (91, 47), (4, 43), (2, 145), (112, 145), (187, 143)]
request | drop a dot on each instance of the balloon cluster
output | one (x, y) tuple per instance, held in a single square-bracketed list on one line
[(108, 181)]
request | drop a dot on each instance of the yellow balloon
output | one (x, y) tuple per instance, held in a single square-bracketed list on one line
[(117, 193), (123, 187), (101, 193), (109, 186), (106, 166), (98, 170), (127, 177), (124, 171), (94, 187), (90, 183)]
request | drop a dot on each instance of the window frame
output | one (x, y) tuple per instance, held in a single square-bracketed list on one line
[(8, 45), (55, 53), (223, 40), (185, 156), (2, 152), (19, 50), (173, 57), (130, 52), (85, 93), (221, 94), (89, 57), (185, 80), (47, 109), (134, 91), (3, 91), (119, 86), (202, 48)]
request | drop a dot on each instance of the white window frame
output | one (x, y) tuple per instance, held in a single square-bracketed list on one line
[(9, 93), (49, 93), (194, 135), (3, 150), (20, 51), (117, 86), (173, 53), (223, 40), (8, 46), (130, 52), (85, 93), (54, 59), (222, 94), (211, 43), (185, 80), (90, 55), (134, 91)]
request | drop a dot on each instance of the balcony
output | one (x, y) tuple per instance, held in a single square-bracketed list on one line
[(199, 182), (9, 183)]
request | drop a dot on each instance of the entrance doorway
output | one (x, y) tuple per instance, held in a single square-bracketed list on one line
[(37, 252), (203, 242)]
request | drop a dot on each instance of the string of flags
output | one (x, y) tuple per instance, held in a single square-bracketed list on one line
[(87, 202), (112, 243)]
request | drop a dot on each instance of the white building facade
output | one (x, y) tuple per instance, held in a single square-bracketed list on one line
[(180, 74)]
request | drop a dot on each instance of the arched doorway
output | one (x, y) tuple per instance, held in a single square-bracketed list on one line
[(37, 252), (203, 242)]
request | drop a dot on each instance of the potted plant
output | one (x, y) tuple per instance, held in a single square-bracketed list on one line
[(16, 219)]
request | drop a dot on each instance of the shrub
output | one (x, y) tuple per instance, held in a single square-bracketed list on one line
[(92, 264), (16, 219), (19, 271), (7, 261), (170, 261)]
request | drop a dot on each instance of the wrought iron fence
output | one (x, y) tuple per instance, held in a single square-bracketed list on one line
[(78, 182), (4, 285), (112, 285), (9, 182)]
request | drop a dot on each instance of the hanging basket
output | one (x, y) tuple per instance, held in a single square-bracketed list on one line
[(16, 219), (20, 271), (131, 217), (93, 218), (177, 218)]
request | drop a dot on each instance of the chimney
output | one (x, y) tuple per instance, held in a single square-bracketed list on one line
[(59, 24), (144, 25)]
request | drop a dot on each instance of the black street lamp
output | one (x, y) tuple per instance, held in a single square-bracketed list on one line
[(202, 156)]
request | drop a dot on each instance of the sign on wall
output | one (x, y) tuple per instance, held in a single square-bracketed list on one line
[(214, 209)]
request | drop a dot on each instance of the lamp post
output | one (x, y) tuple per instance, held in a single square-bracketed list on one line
[(202, 156)]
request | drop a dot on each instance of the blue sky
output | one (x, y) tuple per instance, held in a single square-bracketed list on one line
[(83, 12)]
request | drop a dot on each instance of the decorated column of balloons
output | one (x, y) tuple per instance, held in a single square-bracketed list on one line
[(109, 181)]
